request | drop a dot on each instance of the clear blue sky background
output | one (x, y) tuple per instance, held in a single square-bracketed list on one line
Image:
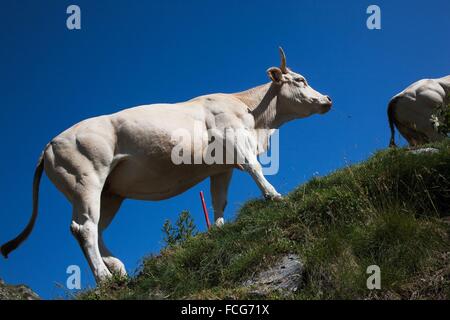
[(138, 52)]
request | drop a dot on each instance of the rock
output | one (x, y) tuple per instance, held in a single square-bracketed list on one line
[(18, 292), (424, 150), (284, 277)]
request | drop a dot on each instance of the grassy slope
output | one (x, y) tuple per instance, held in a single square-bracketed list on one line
[(384, 211)]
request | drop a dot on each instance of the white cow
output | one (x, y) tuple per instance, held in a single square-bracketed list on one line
[(101, 161), (411, 110)]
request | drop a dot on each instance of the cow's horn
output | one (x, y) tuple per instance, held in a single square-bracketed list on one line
[(283, 61)]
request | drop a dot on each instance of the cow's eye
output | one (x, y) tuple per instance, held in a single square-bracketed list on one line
[(300, 80)]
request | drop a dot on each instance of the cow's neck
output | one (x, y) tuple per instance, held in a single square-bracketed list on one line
[(263, 102)]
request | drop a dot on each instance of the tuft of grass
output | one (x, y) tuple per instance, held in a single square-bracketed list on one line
[(385, 211)]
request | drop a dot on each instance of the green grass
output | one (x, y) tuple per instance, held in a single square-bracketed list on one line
[(386, 211)]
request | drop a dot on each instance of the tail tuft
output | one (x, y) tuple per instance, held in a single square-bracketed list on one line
[(4, 251)]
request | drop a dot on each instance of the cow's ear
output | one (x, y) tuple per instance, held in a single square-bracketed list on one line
[(275, 74)]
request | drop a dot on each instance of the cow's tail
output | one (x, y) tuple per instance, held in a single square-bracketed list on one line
[(14, 243), (392, 121)]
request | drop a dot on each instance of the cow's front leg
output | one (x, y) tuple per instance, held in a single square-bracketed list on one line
[(247, 160), (219, 194), (255, 171)]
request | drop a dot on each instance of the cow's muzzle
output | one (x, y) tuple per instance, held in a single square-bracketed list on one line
[(326, 106)]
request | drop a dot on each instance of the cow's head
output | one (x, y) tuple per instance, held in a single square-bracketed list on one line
[(295, 96)]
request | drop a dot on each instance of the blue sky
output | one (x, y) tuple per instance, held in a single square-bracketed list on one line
[(138, 52)]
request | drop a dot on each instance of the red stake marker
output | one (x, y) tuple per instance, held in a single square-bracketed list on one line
[(205, 211)]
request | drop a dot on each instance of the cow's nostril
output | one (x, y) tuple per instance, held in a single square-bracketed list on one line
[(328, 98)]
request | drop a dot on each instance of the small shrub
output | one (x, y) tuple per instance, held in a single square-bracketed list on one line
[(183, 230)]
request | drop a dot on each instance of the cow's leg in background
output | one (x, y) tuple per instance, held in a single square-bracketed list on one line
[(110, 204), (219, 194), (414, 137)]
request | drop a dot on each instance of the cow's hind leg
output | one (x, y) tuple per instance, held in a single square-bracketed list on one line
[(79, 165), (85, 219), (414, 137), (110, 204)]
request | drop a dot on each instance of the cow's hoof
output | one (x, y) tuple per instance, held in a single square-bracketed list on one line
[(274, 197), (103, 276), (277, 198), (220, 222)]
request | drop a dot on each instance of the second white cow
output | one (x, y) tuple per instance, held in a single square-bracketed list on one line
[(411, 110)]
